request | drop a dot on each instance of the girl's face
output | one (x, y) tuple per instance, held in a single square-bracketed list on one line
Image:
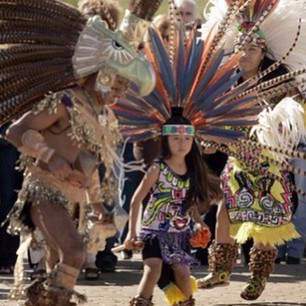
[(180, 145), (251, 59)]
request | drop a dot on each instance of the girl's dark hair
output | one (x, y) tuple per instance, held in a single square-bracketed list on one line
[(204, 186)]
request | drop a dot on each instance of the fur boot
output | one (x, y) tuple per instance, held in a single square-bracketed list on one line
[(261, 265), (221, 259), (140, 301), (38, 294), (189, 302)]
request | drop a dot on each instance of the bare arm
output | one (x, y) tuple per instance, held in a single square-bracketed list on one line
[(31, 121), (25, 135), (143, 189)]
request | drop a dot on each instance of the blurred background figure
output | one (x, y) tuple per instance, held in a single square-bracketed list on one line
[(293, 251), (162, 24), (187, 14), (10, 183)]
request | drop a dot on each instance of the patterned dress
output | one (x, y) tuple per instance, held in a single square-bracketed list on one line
[(164, 218)]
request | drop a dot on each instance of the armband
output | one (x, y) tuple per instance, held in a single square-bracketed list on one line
[(34, 144)]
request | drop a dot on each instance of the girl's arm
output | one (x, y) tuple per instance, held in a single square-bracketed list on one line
[(143, 189), (197, 218)]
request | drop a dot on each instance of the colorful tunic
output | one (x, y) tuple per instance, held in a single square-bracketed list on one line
[(259, 207), (164, 218)]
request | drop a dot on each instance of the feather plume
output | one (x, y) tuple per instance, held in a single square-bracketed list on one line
[(47, 45), (210, 108), (38, 38), (282, 126), (283, 19), (144, 9)]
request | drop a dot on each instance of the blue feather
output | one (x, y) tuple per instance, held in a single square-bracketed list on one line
[(209, 73), (163, 63), (235, 122), (192, 65), (180, 68), (123, 115), (208, 96), (221, 133), (226, 108)]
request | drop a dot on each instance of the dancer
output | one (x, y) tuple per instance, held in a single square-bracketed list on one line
[(180, 189), (66, 136), (258, 190)]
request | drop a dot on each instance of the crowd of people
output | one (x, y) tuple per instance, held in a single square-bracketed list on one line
[(168, 117)]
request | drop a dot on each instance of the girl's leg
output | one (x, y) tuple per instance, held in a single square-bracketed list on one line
[(222, 253), (151, 274), (182, 278)]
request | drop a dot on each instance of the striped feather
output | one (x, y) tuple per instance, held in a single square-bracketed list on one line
[(162, 62)]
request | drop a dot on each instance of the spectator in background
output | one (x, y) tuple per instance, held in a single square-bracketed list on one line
[(293, 251), (10, 183), (162, 24), (187, 14)]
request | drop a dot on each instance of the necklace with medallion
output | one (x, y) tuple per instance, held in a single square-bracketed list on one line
[(101, 115)]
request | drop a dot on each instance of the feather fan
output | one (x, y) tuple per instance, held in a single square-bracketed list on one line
[(207, 93)]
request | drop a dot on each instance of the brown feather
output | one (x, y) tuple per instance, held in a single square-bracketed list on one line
[(144, 9), (28, 53)]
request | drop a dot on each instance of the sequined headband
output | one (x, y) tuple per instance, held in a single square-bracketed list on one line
[(178, 129)]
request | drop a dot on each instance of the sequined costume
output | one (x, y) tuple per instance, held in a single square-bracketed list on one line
[(164, 217), (76, 52), (88, 136), (86, 132)]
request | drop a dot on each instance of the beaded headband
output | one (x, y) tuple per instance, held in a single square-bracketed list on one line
[(178, 129)]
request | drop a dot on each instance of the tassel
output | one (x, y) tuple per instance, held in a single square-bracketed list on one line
[(173, 294)]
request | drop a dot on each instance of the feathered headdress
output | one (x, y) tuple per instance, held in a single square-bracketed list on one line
[(200, 82), (277, 25), (47, 45)]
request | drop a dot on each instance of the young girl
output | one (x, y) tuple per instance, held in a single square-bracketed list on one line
[(180, 188)]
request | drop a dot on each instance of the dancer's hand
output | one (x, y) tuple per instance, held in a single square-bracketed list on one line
[(207, 148), (59, 167), (132, 242), (128, 242), (76, 178)]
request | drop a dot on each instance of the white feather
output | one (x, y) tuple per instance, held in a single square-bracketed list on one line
[(282, 126), (280, 29)]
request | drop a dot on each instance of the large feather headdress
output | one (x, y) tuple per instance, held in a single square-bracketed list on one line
[(281, 21), (46, 46), (199, 81)]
